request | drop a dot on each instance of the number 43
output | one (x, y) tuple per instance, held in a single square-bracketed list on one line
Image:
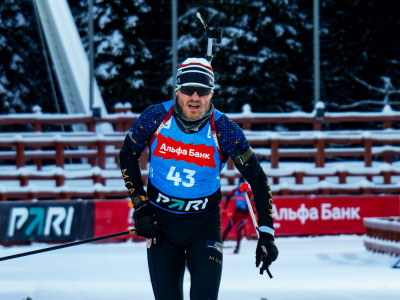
[(176, 177)]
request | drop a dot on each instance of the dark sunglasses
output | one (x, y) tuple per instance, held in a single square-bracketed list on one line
[(201, 91)]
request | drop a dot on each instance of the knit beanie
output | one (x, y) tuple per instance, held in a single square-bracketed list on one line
[(195, 72)]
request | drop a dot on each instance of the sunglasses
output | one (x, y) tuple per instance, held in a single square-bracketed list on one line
[(201, 91)]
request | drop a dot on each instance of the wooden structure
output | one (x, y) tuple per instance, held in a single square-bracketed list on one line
[(383, 236), (300, 156)]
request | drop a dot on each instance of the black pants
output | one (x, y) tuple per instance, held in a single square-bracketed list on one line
[(192, 237)]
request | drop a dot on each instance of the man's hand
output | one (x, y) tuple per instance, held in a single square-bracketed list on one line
[(266, 252), (144, 221)]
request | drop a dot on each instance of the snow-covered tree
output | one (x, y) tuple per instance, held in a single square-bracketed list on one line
[(256, 60), (121, 54), (359, 47), (265, 57), (24, 76)]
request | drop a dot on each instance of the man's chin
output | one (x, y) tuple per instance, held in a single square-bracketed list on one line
[(193, 116)]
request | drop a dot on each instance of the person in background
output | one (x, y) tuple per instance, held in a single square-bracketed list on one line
[(240, 214), (189, 143)]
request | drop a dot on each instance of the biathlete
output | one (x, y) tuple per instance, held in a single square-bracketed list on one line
[(189, 143), (240, 214)]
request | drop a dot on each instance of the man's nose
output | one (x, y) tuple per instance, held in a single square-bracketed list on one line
[(195, 95)]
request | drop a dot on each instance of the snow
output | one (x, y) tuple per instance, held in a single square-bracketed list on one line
[(325, 267)]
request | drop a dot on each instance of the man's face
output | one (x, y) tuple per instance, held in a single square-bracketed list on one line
[(194, 101)]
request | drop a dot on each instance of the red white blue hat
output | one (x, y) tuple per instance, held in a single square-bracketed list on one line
[(195, 72)]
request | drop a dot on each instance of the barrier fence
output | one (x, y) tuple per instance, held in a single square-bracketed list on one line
[(383, 235), (283, 154)]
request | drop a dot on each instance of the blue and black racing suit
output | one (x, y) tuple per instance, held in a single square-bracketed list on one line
[(184, 188)]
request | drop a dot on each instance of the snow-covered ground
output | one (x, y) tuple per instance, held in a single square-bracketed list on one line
[(322, 268)]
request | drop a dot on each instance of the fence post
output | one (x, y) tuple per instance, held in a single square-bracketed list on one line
[(65, 194), (320, 146), (101, 152), (387, 124), (59, 145), (317, 125), (387, 178), (367, 150), (299, 177), (91, 125), (60, 177), (274, 152), (118, 109), (127, 107), (319, 112), (342, 176), (387, 174), (98, 191), (20, 151), (97, 176), (37, 126), (23, 177)]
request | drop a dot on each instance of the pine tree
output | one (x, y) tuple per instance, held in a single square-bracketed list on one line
[(265, 58), (24, 78), (121, 54), (254, 62), (359, 48)]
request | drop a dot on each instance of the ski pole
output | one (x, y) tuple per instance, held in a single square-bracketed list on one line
[(76, 243), (244, 187)]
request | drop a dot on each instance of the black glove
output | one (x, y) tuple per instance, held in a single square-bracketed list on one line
[(143, 217), (266, 252)]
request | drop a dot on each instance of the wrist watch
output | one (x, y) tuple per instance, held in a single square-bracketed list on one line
[(138, 199)]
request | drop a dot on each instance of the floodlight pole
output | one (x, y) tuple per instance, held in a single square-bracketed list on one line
[(91, 56), (174, 42), (317, 95)]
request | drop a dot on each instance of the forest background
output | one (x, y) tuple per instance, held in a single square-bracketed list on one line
[(265, 57)]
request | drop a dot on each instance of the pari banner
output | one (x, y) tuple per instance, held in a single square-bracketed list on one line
[(62, 221), (330, 214), (45, 221)]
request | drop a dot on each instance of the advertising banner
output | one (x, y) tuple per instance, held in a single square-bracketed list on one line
[(45, 221), (322, 214), (112, 216), (63, 221), (330, 214)]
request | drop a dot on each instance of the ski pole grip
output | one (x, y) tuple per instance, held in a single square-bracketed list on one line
[(244, 187)]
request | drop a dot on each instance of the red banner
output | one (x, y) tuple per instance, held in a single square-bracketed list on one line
[(112, 216), (322, 215), (292, 215), (330, 214)]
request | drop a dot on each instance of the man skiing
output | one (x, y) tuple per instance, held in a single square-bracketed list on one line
[(239, 216), (189, 143)]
